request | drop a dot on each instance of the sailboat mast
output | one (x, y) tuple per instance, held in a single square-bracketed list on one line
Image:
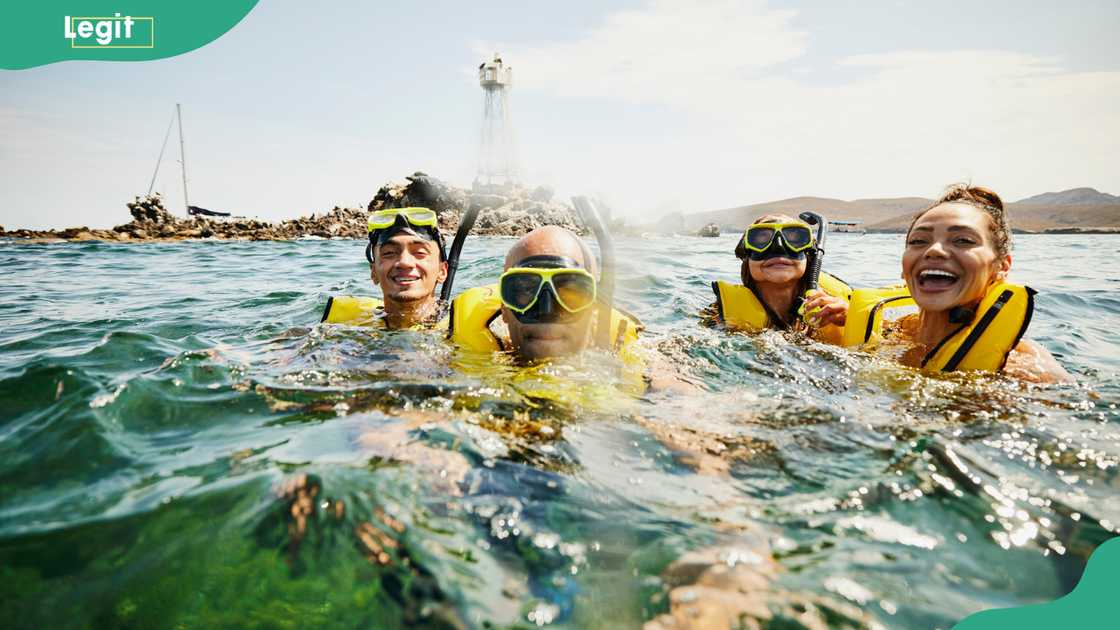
[(182, 156), (159, 160)]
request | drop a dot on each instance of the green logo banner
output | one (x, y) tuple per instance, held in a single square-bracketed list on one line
[(1092, 604), (45, 32)]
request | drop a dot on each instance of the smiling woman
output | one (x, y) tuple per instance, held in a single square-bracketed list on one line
[(956, 261)]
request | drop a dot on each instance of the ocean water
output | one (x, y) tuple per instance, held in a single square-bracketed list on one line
[(182, 444)]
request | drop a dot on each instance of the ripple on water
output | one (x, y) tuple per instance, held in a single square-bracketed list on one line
[(162, 401)]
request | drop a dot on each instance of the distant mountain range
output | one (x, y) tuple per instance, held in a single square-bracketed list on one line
[(1071, 197), (1084, 208)]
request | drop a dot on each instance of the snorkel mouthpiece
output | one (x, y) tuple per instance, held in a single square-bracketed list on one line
[(961, 314)]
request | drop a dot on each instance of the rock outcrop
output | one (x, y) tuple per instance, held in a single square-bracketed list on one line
[(151, 221), (710, 230), (512, 212)]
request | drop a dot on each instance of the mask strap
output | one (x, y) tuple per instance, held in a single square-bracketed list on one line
[(548, 261)]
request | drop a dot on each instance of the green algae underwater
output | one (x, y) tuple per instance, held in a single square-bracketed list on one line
[(182, 445)]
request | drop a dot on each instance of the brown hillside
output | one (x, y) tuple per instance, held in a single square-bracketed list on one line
[(1077, 209), (867, 210), (1032, 217)]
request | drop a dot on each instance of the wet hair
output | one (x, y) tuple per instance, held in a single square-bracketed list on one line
[(377, 238), (983, 199)]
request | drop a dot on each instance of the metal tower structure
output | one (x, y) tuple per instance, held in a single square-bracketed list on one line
[(497, 155)]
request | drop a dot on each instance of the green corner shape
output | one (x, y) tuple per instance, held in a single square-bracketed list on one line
[(39, 32), (1092, 604)]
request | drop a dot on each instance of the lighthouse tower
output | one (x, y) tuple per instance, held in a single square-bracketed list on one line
[(497, 156)]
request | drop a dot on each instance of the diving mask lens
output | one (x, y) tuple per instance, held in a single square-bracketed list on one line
[(797, 237), (760, 237), (575, 292), (419, 217), (520, 288)]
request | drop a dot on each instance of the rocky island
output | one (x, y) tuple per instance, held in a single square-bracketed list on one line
[(510, 211), (516, 210)]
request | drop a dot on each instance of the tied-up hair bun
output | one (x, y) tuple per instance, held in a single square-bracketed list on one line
[(983, 199)]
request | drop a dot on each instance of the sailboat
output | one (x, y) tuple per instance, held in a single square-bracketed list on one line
[(191, 210)]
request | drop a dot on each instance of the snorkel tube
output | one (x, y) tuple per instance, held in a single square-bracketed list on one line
[(814, 270), (591, 219), (466, 222)]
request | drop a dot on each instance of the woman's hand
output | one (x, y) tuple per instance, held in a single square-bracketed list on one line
[(822, 309)]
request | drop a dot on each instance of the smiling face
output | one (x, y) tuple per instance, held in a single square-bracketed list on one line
[(950, 257), (407, 268), (778, 270)]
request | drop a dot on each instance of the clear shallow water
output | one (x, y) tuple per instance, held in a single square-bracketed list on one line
[(155, 396)]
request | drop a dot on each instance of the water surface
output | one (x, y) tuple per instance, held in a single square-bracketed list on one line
[(158, 397)]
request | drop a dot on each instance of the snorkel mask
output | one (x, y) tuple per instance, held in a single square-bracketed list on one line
[(547, 289), (763, 241), (385, 224)]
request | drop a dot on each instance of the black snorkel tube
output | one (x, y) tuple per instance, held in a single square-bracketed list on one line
[(466, 222), (605, 298), (814, 270)]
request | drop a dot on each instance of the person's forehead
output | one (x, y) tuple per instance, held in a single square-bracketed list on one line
[(404, 239), (953, 216), (566, 248)]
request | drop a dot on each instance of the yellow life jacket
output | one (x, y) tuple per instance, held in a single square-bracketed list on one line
[(472, 312), (740, 308), (983, 344), (474, 309), (361, 311), (866, 309)]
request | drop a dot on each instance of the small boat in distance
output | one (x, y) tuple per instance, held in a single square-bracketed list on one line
[(195, 210), (191, 210), (854, 226), (709, 230)]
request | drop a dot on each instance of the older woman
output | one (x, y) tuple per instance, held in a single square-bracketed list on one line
[(956, 261), (775, 252)]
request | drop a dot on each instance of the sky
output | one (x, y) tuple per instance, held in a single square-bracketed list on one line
[(653, 106)]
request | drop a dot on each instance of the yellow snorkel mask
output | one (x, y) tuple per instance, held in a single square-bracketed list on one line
[(530, 291), (381, 224), (794, 238), (419, 217)]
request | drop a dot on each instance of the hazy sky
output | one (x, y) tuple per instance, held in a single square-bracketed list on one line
[(653, 106)]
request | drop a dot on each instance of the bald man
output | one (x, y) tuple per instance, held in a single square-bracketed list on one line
[(546, 298), (548, 329)]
